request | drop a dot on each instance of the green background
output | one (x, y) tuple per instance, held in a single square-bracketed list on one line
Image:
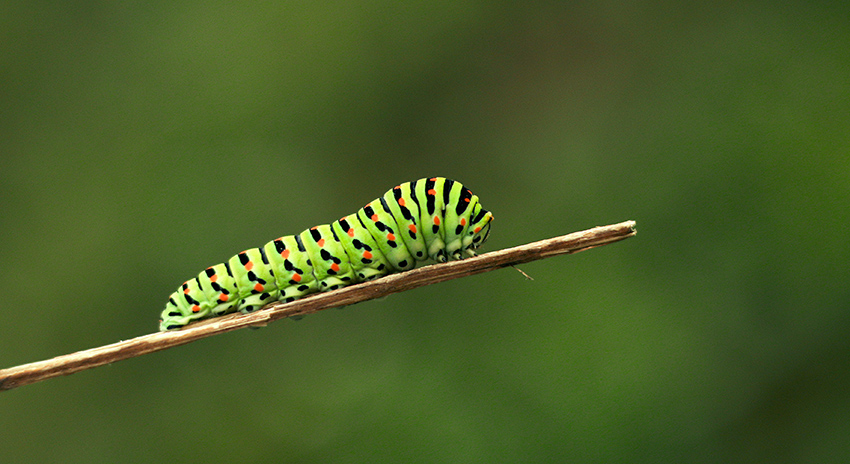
[(142, 142)]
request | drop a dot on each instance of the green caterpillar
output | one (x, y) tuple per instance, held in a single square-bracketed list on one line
[(433, 217)]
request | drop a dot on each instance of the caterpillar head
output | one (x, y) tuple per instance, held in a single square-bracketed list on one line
[(479, 229)]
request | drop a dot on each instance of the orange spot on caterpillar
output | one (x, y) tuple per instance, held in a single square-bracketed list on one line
[(196, 309), (249, 265), (186, 290), (284, 254), (432, 192), (477, 229), (335, 267), (223, 297), (213, 277), (400, 201), (351, 232), (466, 200), (367, 255), (258, 287), (436, 220), (463, 221), (375, 217), (321, 242), (296, 277), (412, 228), (390, 237)]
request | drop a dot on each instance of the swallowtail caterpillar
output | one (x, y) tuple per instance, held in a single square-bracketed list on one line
[(435, 218)]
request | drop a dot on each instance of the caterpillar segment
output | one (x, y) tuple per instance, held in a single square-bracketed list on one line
[(365, 257), (381, 224), (331, 266), (254, 280), (291, 267), (400, 201), (431, 206), (434, 218), (219, 288)]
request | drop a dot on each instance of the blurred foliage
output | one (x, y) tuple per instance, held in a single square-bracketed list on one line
[(142, 142)]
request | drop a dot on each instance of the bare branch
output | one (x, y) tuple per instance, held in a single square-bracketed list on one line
[(394, 283)]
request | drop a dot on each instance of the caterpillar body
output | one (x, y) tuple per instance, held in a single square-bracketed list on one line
[(435, 218)]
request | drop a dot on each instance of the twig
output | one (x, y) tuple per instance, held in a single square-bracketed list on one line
[(81, 360)]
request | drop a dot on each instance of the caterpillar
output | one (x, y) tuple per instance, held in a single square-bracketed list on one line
[(434, 218)]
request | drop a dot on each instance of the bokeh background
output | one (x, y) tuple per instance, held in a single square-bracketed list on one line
[(142, 142)]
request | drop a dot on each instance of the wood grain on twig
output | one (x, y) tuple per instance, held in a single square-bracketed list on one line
[(394, 283)]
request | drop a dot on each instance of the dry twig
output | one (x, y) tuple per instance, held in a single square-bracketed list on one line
[(394, 283)]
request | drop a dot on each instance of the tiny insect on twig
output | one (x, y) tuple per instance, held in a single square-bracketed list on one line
[(70, 363)]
